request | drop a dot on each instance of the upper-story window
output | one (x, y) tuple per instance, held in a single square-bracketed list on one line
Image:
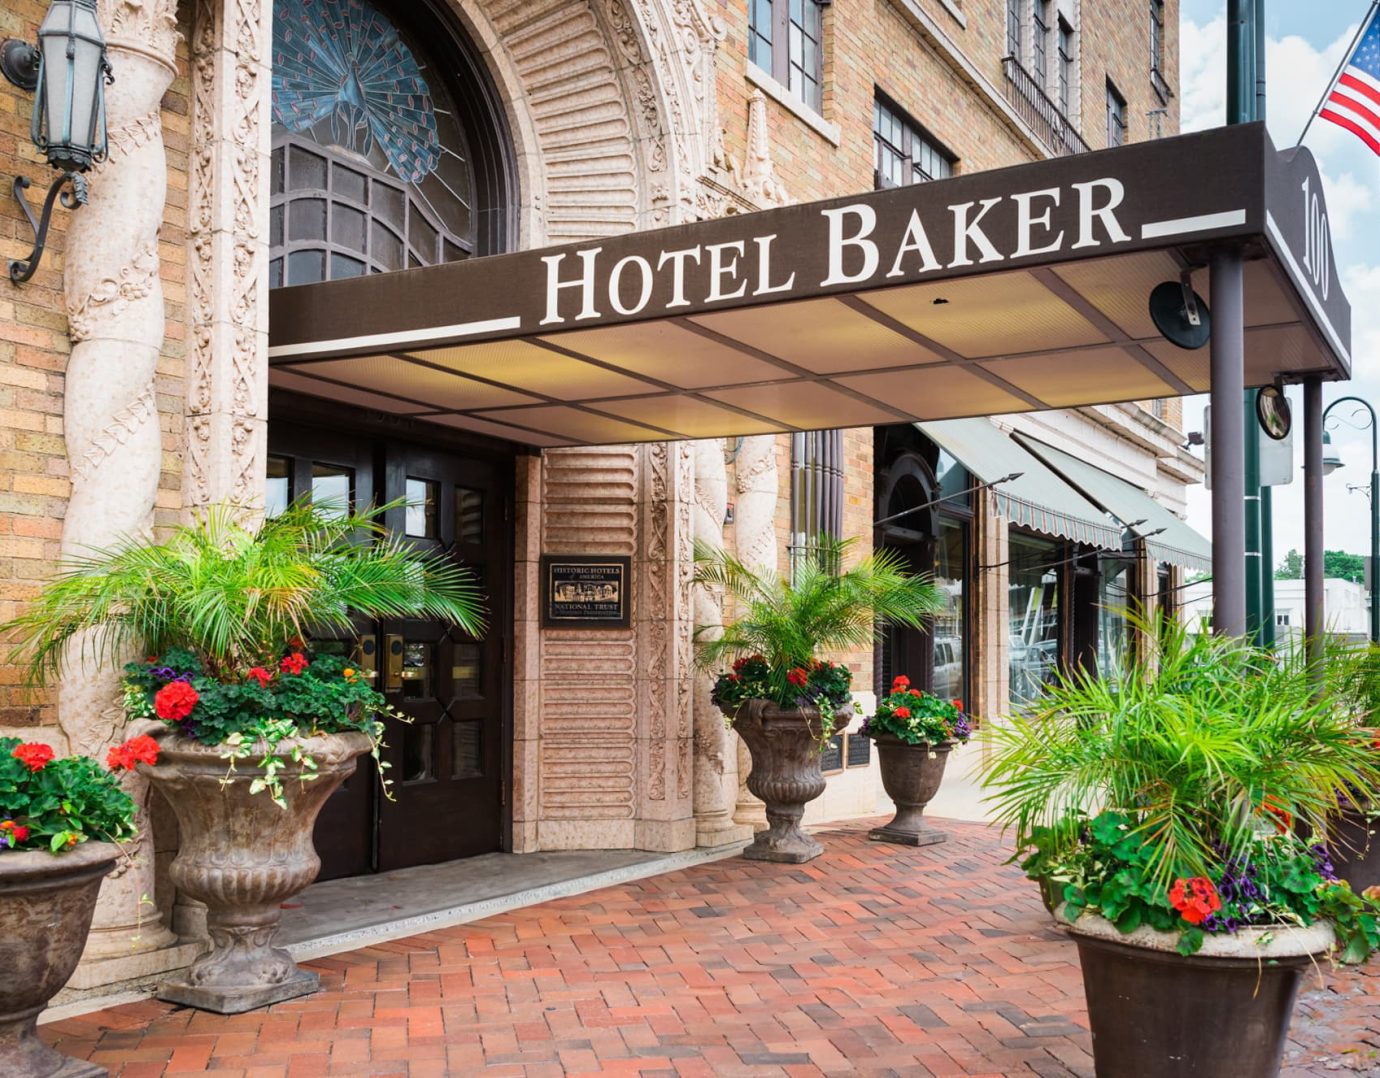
[(1157, 78), (1013, 29), (1065, 78), (786, 40), (373, 167), (1039, 43), (903, 152), (1116, 116), (816, 492)]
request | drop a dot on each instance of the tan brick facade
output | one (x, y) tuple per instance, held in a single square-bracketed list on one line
[(33, 354)]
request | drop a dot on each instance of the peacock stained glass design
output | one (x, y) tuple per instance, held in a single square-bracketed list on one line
[(341, 61), (371, 168)]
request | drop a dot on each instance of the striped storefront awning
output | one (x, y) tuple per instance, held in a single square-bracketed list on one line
[(1167, 538), (1037, 498)]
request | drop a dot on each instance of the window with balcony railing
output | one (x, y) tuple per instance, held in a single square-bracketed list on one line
[(1013, 28), (1039, 43), (1043, 116)]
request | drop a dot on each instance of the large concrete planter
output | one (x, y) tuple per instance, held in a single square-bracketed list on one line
[(46, 903), (1224, 1011), (784, 744), (911, 775), (243, 856), (1353, 844)]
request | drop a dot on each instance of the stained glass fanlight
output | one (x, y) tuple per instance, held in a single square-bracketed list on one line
[(342, 61), (371, 164)]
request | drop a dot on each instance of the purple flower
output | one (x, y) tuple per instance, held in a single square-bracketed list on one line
[(1322, 861)]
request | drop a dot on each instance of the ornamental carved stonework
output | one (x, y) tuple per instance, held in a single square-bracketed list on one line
[(114, 302), (227, 379)]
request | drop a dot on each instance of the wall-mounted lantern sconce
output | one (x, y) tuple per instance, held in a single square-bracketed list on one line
[(68, 71)]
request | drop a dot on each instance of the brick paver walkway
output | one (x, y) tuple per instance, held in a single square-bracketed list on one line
[(871, 960)]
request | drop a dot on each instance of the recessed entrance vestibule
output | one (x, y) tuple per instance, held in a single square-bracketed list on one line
[(450, 763)]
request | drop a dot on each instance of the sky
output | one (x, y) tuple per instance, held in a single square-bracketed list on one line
[(1305, 41)]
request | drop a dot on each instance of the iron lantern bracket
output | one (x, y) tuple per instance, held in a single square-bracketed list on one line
[(21, 269)]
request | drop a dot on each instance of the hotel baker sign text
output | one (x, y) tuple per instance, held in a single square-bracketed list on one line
[(1223, 185)]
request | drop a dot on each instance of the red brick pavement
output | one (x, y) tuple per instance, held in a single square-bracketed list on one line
[(872, 960)]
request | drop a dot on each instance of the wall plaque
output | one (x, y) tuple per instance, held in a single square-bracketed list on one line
[(585, 591)]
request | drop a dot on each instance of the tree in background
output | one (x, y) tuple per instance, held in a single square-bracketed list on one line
[(1337, 564)]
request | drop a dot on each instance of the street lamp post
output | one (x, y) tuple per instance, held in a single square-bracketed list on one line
[(1374, 505)]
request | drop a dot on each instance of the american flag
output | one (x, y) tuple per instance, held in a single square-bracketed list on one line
[(1354, 102)]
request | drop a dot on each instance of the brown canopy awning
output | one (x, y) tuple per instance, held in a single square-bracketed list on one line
[(1005, 291)]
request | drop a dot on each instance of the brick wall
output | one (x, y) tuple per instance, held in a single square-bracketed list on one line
[(34, 348)]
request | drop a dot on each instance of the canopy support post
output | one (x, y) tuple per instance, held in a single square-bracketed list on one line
[(1313, 518), (1228, 448)]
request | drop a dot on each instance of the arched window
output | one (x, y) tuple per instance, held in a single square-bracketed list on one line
[(388, 152)]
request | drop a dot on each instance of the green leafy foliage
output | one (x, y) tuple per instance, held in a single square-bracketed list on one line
[(235, 594), (917, 717), (781, 626), (1336, 564), (822, 684), (62, 803), (1172, 792), (261, 715), (1191, 740)]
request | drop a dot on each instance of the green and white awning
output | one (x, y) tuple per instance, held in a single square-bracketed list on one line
[(1037, 498), (1167, 538)]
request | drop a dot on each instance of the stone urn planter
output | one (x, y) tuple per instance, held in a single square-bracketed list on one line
[(1353, 843), (46, 904), (243, 856), (784, 744), (1157, 1014), (911, 775)]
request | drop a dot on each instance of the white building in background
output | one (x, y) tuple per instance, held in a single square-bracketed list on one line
[(1346, 608)]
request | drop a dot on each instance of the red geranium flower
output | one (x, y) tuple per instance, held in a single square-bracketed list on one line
[(35, 755), (142, 749), (261, 675), (902, 712), (1195, 899), (294, 663), (798, 676), (901, 682), (175, 700), (958, 704), (1283, 820), (12, 834)]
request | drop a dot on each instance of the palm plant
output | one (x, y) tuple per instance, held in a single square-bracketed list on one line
[(236, 594), (1198, 742), (789, 622)]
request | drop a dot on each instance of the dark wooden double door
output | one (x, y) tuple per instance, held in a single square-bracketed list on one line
[(448, 764)]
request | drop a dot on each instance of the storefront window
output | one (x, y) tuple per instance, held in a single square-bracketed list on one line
[(1113, 599), (1035, 610), (950, 561)]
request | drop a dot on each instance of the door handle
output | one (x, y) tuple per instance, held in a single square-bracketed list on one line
[(393, 663)]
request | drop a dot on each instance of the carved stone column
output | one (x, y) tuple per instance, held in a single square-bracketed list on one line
[(716, 756), (227, 377), (755, 540), (110, 421)]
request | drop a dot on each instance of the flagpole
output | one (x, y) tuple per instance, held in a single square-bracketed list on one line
[(1332, 84)]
